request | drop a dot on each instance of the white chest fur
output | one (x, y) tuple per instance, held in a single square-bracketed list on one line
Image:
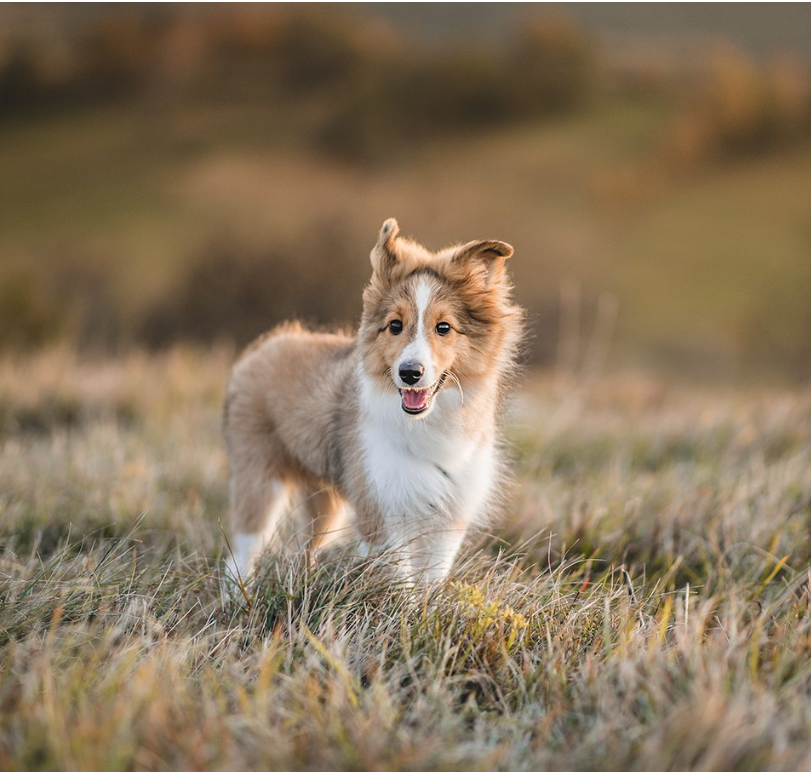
[(435, 470)]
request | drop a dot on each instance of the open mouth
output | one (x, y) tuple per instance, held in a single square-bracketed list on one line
[(416, 401)]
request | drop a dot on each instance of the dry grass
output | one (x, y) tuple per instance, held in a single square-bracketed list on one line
[(645, 606)]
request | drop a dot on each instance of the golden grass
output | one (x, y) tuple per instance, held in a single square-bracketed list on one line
[(644, 605)]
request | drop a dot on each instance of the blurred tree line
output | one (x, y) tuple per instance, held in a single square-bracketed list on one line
[(373, 88), (358, 91)]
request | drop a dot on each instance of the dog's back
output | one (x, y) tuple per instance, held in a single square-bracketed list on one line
[(280, 409)]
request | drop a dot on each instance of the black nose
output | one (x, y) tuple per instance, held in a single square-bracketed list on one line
[(411, 372)]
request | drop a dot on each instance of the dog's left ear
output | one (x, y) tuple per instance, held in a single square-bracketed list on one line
[(487, 256), (384, 253)]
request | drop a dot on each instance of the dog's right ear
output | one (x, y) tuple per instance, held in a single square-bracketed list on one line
[(384, 254)]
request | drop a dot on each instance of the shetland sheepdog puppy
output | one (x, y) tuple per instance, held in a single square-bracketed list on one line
[(397, 425)]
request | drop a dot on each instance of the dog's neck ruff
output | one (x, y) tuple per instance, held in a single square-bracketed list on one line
[(416, 468)]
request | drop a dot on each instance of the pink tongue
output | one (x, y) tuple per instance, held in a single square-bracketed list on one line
[(415, 400)]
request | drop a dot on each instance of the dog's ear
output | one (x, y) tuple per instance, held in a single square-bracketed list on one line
[(487, 257), (384, 254)]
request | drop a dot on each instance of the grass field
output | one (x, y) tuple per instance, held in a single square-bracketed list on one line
[(643, 604)]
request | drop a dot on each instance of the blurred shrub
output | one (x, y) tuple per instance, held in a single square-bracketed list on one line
[(552, 65), (415, 98), (788, 98), (463, 88), (32, 311), (300, 48), (93, 302), (234, 293), (548, 68), (75, 303), (734, 106), (20, 78), (119, 54), (316, 50)]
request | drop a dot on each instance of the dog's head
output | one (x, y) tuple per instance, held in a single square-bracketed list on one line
[(430, 318)]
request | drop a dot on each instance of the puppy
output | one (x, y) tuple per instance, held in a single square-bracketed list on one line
[(399, 422)]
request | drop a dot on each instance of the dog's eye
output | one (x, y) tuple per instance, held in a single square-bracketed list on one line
[(443, 328), (396, 326)]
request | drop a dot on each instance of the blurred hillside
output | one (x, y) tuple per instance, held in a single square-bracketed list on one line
[(204, 171)]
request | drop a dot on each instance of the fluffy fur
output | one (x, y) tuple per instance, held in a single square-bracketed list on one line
[(400, 422)]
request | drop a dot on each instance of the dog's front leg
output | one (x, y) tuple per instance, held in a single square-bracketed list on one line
[(425, 551), (436, 550)]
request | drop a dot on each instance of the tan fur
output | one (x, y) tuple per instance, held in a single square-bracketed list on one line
[(294, 409)]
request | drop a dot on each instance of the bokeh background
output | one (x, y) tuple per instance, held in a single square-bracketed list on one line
[(199, 172)]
